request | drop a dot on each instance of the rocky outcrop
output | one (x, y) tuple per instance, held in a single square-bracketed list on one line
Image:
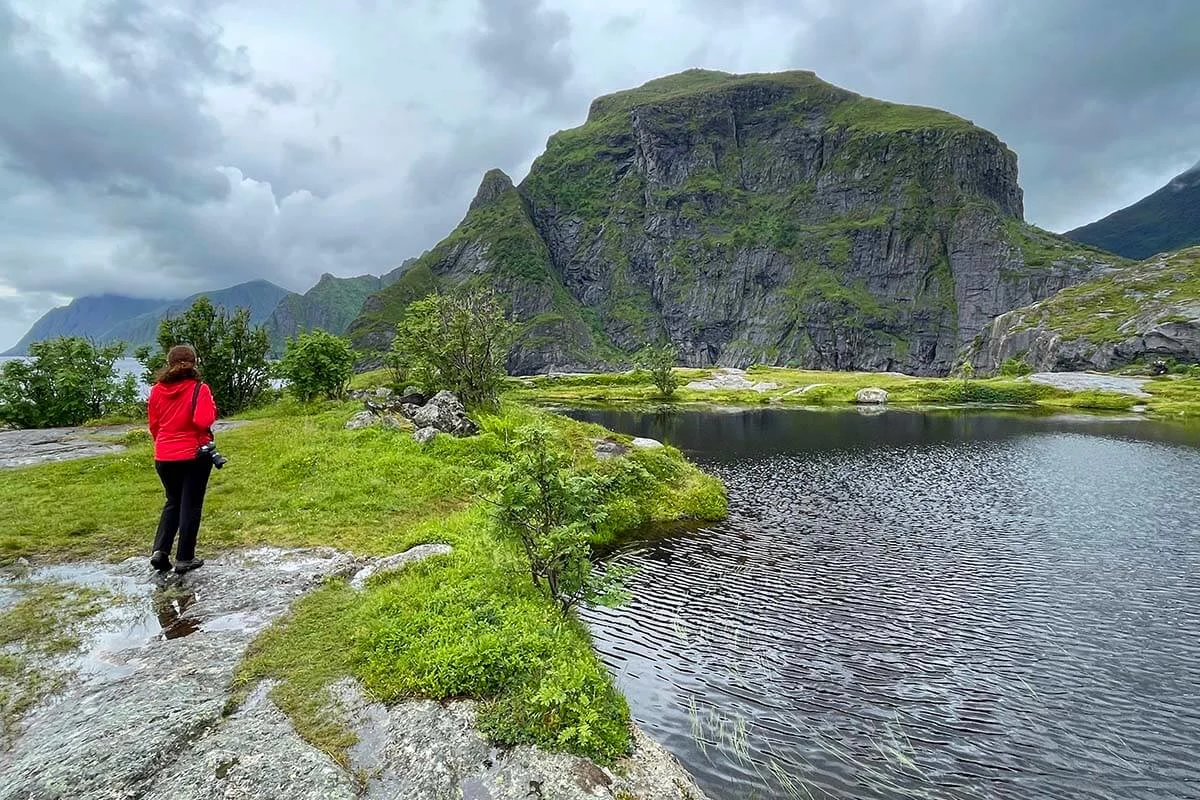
[(759, 219), (442, 413), (148, 711), (1138, 314)]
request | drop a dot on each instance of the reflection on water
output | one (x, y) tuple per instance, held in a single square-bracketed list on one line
[(921, 605)]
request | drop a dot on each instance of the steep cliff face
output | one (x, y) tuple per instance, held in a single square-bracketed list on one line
[(773, 219), (1143, 312)]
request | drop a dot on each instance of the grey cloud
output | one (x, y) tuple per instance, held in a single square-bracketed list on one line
[(276, 93), (524, 47)]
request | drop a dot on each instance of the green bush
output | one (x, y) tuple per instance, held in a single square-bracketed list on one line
[(553, 510), (67, 381), (1015, 368), (231, 353), (458, 341), (660, 361), (317, 364)]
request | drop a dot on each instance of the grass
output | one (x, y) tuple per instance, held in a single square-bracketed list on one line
[(43, 625), (469, 624), (1105, 310), (1169, 397)]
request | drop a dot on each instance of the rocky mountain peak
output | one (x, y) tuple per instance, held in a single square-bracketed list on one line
[(494, 185)]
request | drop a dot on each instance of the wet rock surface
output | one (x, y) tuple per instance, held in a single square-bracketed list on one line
[(731, 379), (148, 714), (23, 448), (1090, 381), (423, 750)]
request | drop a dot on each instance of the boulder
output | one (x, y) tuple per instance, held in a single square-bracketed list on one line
[(425, 435), (363, 419), (383, 393), (394, 423), (609, 448), (642, 443), (446, 413), (871, 397)]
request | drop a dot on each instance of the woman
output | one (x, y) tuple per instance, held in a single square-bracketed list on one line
[(181, 412)]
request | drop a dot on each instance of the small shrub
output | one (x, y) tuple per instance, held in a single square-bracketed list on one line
[(68, 381), (1015, 368), (553, 510), (458, 341), (660, 362), (317, 364)]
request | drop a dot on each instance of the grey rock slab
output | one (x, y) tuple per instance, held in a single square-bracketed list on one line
[(152, 680), (254, 753), (423, 750), (1091, 381), (425, 435), (397, 561), (608, 448), (871, 396), (24, 448), (363, 419)]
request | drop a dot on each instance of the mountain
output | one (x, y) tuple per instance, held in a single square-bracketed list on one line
[(331, 305), (261, 297), (768, 218), (1144, 312), (1167, 220), (111, 318), (89, 317)]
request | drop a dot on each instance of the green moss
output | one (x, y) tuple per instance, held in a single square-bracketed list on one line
[(1099, 310)]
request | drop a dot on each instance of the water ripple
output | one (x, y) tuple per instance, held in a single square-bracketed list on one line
[(911, 605)]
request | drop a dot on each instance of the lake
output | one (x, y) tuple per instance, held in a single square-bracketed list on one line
[(940, 605)]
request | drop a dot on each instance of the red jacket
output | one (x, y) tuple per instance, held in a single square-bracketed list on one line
[(178, 435)]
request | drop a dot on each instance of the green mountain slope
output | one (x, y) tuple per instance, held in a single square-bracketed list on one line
[(331, 305), (1167, 220), (1142, 312), (756, 218)]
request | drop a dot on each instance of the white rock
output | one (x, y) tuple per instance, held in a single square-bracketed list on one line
[(646, 444), (871, 396), (425, 435), (363, 419), (397, 561)]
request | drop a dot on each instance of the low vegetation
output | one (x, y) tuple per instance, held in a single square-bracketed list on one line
[(317, 365), (67, 381), (470, 624), (830, 389)]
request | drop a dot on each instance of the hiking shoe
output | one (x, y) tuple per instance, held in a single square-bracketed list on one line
[(160, 561), (187, 566)]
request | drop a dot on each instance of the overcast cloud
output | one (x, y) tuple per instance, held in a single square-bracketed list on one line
[(160, 147)]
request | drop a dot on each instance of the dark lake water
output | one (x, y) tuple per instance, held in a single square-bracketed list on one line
[(922, 605)]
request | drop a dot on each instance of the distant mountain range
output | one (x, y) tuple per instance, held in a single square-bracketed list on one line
[(1167, 220), (330, 305)]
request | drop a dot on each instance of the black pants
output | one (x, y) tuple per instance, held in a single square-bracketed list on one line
[(185, 482)]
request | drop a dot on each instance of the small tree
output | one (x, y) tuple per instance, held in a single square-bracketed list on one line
[(231, 353), (68, 381), (660, 361), (553, 510), (317, 364), (458, 341)]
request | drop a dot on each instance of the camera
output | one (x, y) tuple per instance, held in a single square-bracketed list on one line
[(210, 450)]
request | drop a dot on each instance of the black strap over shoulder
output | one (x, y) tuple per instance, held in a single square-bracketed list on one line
[(195, 400)]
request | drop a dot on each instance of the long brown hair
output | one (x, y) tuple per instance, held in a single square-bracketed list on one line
[(181, 365)]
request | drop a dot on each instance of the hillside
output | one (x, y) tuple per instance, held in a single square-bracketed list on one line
[(769, 219), (90, 317), (331, 305), (1167, 220), (111, 318), (1147, 311)]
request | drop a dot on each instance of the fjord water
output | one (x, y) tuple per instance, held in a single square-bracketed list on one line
[(922, 605)]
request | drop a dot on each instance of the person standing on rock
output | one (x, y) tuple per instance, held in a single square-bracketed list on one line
[(181, 413)]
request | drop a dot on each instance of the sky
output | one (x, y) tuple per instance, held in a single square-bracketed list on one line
[(156, 148)]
